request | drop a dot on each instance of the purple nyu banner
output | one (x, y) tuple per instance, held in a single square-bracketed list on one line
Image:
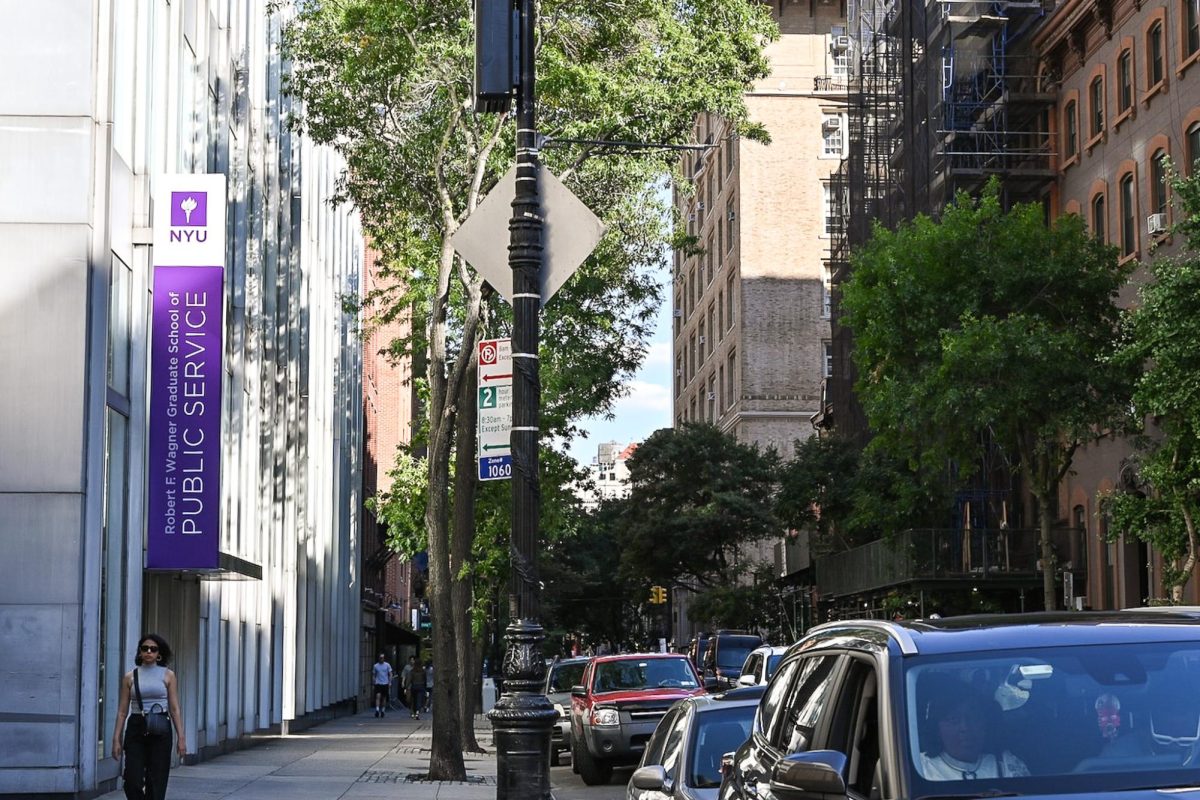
[(183, 529)]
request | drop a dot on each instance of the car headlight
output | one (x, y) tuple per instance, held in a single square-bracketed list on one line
[(562, 714), (605, 716)]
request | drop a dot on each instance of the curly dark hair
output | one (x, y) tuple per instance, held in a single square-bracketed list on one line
[(164, 649)]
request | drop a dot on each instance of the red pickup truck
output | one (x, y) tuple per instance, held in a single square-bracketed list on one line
[(616, 708)]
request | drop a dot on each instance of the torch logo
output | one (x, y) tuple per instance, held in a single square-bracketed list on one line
[(189, 209)]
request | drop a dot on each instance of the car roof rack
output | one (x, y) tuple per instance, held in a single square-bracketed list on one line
[(899, 634)]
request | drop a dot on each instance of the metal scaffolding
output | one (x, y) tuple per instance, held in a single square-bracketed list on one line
[(943, 95)]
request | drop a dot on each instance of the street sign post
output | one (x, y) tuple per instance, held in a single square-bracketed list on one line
[(494, 396)]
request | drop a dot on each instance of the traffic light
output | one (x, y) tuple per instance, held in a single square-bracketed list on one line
[(658, 595), (495, 51)]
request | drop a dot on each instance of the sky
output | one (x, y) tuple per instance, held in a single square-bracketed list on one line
[(647, 406)]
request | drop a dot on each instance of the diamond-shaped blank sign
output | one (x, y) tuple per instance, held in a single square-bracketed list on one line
[(572, 231)]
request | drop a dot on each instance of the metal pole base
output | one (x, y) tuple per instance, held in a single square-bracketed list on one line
[(523, 719)]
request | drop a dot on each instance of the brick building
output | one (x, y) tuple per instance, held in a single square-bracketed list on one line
[(751, 306), (392, 587), (1129, 97)]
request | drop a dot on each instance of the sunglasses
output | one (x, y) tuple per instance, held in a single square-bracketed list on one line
[(149, 648)]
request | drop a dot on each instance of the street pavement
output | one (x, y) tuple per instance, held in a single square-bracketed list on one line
[(356, 757)]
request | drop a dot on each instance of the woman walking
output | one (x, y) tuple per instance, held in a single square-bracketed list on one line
[(146, 740)]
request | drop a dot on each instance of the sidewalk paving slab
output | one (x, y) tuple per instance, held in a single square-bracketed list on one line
[(360, 756)]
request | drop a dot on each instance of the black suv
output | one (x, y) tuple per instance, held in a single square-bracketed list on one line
[(725, 655), (1035, 704)]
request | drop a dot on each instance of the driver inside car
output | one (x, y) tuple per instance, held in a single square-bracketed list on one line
[(961, 723)]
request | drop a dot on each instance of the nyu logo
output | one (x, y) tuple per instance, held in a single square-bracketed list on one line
[(189, 210)]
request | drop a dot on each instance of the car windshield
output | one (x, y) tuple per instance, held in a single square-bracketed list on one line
[(715, 733), (773, 664), (1055, 720), (564, 676), (649, 673), (732, 654)]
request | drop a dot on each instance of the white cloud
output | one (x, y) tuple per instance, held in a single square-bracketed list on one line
[(658, 356)]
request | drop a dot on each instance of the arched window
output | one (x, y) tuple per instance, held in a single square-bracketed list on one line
[(1125, 80), (1128, 215), (1099, 217), (1157, 68), (1158, 182), (1071, 129), (1096, 99), (1193, 146)]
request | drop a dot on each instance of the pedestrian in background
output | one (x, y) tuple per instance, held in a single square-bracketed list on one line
[(406, 683), (381, 672), (146, 742), (428, 686), (417, 682)]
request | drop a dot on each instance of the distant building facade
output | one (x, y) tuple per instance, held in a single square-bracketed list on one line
[(751, 336), (609, 472), (110, 96)]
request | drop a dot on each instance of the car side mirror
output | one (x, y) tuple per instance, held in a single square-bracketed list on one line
[(578, 691), (651, 779), (746, 679), (815, 775)]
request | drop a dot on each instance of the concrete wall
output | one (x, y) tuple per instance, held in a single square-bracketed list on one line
[(109, 94)]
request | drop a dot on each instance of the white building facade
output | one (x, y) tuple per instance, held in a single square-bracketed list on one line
[(101, 98)]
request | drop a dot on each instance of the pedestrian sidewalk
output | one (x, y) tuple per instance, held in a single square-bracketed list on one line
[(348, 757)]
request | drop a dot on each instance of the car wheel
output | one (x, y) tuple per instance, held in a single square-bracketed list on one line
[(594, 771)]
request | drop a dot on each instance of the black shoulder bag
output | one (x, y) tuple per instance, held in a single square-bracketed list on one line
[(157, 722)]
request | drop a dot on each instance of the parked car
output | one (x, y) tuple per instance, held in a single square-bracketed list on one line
[(561, 675), (619, 702), (1054, 704), (683, 758), (727, 651), (760, 665)]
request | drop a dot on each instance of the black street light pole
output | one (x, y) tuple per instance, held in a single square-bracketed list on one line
[(523, 718)]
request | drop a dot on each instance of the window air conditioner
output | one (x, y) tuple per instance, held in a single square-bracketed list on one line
[(1156, 224), (691, 217), (831, 123), (701, 340), (732, 216), (712, 395), (700, 206), (840, 43)]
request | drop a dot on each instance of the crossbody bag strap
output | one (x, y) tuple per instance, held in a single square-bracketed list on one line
[(137, 689)]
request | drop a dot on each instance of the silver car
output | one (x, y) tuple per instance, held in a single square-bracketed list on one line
[(560, 677), (683, 757)]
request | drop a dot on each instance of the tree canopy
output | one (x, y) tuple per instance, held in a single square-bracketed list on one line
[(988, 327), (697, 497)]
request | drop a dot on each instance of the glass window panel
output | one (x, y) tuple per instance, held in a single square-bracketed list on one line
[(119, 300), (1156, 54), (1128, 215), (112, 576)]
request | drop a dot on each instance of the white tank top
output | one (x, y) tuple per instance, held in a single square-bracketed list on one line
[(152, 682)]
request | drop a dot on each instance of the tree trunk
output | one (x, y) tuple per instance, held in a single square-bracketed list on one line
[(1046, 516), (461, 544), (446, 757), (1189, 561)]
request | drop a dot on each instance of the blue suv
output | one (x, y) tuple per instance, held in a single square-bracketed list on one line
[(1087, 704)]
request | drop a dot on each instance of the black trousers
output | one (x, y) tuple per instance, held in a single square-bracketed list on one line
[(147, 764)]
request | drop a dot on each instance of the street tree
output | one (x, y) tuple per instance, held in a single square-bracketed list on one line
[(697, 499), (989, 321), (1163, 338), (847, 496), (388, 83)]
